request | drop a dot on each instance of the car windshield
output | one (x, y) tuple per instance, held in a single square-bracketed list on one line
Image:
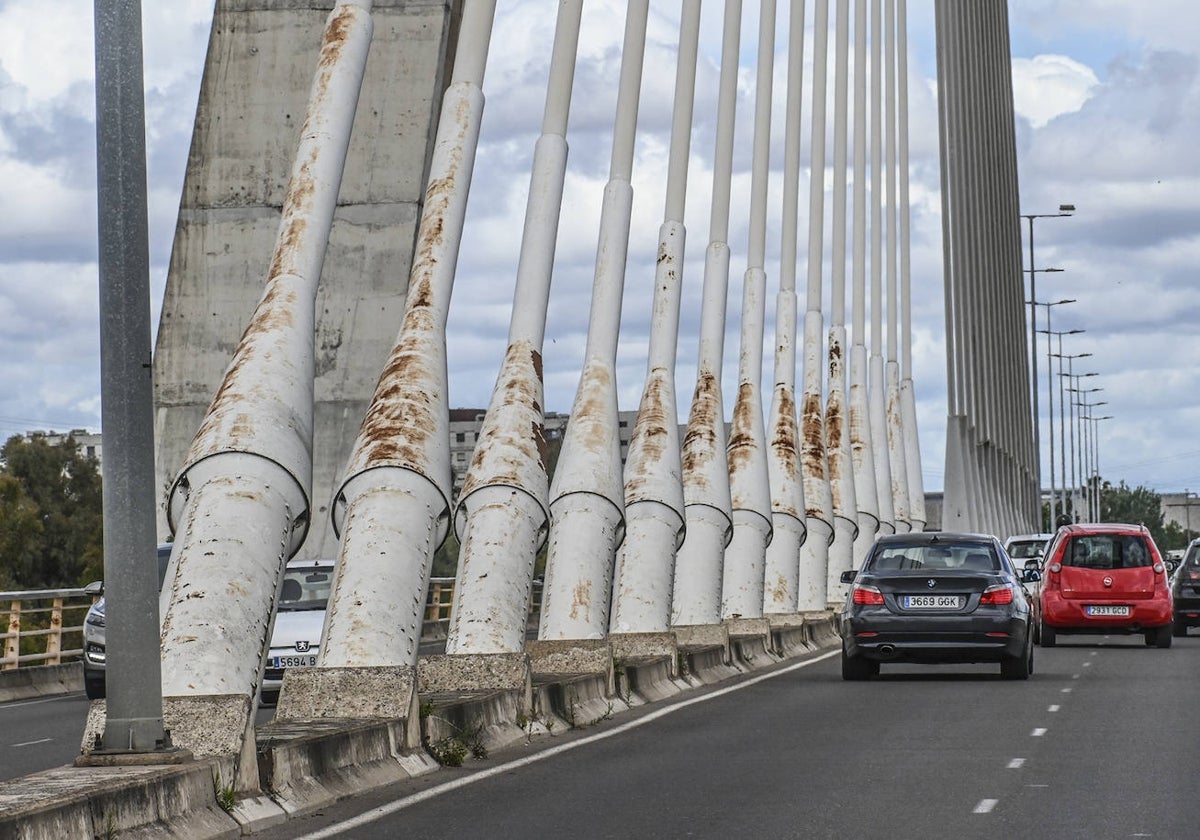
[(1107, 551), (1025, 549), (972, 556), (1192, 561), (305, 588)]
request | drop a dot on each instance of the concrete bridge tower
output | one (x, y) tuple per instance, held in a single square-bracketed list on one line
[(257, 77)]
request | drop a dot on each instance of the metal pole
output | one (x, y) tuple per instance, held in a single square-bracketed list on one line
[(1033, 368), (133, 715)]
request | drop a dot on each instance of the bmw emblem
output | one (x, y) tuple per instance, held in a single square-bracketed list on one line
[(931, 583), (302, 646)]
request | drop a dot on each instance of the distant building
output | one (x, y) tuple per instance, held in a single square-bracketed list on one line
[(1178, 508), (88, 444)]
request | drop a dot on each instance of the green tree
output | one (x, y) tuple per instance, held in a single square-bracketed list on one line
[(53, 520), (1136, 505)]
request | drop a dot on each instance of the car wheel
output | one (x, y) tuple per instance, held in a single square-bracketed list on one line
[(1162, 636), (858, 668), (1046, 635), (1179, 628), (1018, 667), (93, 687)]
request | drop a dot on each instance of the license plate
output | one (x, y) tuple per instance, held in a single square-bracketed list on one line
[(306, 661), (1104, 609), (929, 602)]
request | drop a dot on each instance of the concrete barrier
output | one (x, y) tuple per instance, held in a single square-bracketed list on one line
[(306, 764), (176, 801), (40, 681)]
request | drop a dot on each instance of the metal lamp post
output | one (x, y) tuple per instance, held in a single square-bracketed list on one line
[(1063, 210), (1050, 396), (1080, 407), (1087, 468), (1062, 401), (1097, 516)]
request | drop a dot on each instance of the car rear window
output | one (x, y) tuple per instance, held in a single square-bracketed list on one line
[(1026, 549), (1107, 551), (934, 557), (305, 589)]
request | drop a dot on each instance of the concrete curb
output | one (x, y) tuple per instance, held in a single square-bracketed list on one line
[(40, 681)]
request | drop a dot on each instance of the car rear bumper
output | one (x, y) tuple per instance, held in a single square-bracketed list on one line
[(1187, 611), (1070, 616), (928, 639)]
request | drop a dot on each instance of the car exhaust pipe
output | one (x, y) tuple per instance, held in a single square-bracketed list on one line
[(887, 651)]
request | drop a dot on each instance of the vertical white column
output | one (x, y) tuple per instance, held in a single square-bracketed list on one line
[(814, 554), (502, 516), (780, 586), (696, 598), (642, 584), (750, 491), (587, 511)]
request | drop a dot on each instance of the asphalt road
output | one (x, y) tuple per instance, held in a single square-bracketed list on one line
[(1097, 744)]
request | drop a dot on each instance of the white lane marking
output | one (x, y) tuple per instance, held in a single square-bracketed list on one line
[(1016, 764), (438, 790), (1093, 653), (1087, 664), (1053, 707), (31, 743), (985, 806), (1067, 690), (1038, 732), (1075, 676)]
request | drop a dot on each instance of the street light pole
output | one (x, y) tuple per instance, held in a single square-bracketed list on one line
[(1081, 403), (1063, 210), (1062, 401), (1096, 459), (1050, 399)]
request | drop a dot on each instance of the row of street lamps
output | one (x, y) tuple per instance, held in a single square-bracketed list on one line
[(1081, 438)]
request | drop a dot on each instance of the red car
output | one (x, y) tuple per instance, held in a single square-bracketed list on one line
[(1101, 579)]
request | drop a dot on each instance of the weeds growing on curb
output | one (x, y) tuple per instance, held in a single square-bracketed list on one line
[(226, 796)]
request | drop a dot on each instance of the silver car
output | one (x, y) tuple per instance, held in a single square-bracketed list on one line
[(299, 619), (94, 655)]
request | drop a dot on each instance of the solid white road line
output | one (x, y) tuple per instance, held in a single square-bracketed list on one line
[(438, 790), (31, 743)]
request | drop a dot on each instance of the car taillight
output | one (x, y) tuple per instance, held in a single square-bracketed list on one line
[(1056, 567), (1159, 568), (867, 596), (999, 594)]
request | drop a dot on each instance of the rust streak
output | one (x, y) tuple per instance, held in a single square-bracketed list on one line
[(741, 434)]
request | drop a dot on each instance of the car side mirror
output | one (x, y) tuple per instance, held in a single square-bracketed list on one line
[(94, 589), (849, 575), (1031, 576), (1032, 564)]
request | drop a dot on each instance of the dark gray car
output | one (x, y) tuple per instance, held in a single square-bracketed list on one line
[(935, 597)]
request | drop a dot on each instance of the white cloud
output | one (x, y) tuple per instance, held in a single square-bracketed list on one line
[(1048, 86)]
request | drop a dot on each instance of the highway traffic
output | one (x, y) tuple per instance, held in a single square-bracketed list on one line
[(1094, 745)]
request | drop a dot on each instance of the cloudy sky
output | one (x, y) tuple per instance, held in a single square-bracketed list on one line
[(1108, 103)]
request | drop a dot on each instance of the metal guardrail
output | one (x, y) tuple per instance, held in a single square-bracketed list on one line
[(35, 614), (42, 612)]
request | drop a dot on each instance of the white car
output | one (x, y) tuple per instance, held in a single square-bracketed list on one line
[(299, 619), (1025, 547)]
